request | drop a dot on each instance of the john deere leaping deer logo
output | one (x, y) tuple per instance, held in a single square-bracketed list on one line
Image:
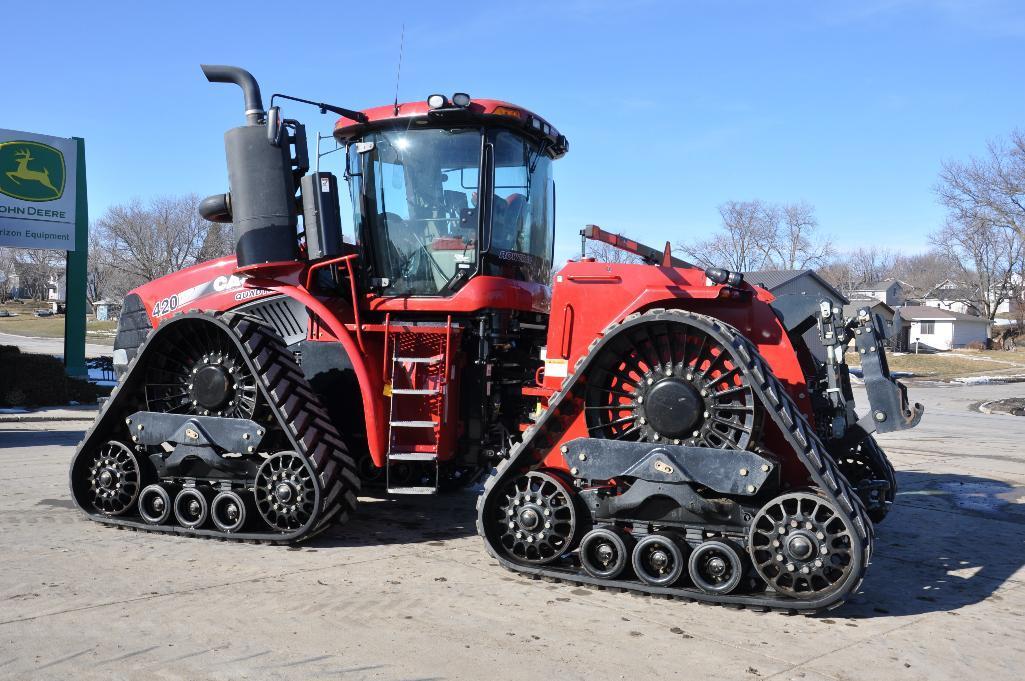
[(31, 171)]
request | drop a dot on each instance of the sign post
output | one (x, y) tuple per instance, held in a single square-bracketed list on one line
[(43, 205), (76, 275)]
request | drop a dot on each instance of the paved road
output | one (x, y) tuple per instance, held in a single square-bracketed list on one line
[(51, 346), (406, 592)]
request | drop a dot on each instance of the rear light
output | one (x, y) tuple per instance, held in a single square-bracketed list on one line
[(507, 111), (461, 99), (436, 101)]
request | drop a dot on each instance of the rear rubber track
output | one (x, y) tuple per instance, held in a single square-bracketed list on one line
[(294, 405), (809, 449)]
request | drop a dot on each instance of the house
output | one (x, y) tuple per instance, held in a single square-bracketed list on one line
[(106, 310), (799, 282), (948, 295), (941, 329), (893, 292)]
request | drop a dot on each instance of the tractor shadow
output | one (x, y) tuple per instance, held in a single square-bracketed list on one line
[(950, 541), (406, 519), (11, 438)]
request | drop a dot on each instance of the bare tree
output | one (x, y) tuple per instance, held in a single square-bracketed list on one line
[(603, 252), (798, 245), (990, 188), (6, 273), (983, 256), (138, 242), (756, 235)]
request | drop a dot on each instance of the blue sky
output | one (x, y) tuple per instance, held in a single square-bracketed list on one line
[(671, 108)]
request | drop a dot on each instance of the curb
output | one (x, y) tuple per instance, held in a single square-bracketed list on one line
[(51, 416)]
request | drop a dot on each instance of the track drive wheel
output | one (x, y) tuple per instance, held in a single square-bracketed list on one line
[(286, 491)]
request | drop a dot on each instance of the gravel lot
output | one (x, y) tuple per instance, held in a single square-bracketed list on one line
[(406, 591)]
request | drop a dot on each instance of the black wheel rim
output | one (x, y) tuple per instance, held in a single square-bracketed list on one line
[(801, 546), (228, 511), (191, 508), (196, 370), (658, 560), (286, 493), (536, 518), (114, 479), (603, 553), (624, 394), (715, 567), (155, 505)]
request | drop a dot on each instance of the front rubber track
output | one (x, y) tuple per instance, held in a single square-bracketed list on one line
[(293, 403)]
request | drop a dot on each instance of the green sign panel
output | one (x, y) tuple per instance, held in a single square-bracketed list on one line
[(38, 191), (31, 171)]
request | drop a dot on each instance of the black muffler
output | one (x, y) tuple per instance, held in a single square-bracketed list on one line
[(261, 202)]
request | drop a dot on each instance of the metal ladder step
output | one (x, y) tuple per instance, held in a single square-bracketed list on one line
[(414, 391), (412, 490), (419, 360), (412, 456), (413, 424)]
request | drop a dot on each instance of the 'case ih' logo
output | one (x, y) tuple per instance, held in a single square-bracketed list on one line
[(31, 171)]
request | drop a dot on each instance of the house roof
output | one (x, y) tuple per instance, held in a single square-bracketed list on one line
[(876, 285), (859, 302), (773, 279), (922, 313)]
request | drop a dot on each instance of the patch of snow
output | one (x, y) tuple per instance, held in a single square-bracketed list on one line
[(983, 380), (13, 410)]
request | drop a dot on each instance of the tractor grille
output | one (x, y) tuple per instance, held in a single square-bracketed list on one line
[(287, 315)]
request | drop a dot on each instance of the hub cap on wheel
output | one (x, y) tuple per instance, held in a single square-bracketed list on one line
[(286, 492), (114, 479), (801, 546), (536, 518), (658, 560), (668, 381)]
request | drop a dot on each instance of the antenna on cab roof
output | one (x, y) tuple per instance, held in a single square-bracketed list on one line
[(398, 74)]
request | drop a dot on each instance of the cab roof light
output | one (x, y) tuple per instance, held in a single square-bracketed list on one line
[(461, 99), (436, 101), (507, 111)]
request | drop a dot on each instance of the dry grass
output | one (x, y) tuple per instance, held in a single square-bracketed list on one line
[(957, 364), (27, 324)]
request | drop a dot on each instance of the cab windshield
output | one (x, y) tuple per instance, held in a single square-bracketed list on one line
[(419, 197)]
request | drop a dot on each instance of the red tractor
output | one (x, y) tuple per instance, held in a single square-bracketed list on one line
[(653, 427)]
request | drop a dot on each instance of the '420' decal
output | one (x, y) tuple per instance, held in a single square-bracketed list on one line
[(223, 283)]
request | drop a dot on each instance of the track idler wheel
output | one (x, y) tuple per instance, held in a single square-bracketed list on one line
[(192, 507), (537, 518), (114, 479), (155, 505), (605, 553), (286, 491), (716, 567), (228, 510), (659, 559), (802, 547)]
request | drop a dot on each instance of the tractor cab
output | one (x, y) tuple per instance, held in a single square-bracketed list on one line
[(446, 190)]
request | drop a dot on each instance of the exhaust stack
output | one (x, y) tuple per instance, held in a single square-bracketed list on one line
[(261, 201)]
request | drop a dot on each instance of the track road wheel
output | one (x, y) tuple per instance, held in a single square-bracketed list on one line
[(192, 507), (658, 559), (605, 553), (802, 547), (716, 567), (114, 479), (228, 511), (536, 518), (155, 505)]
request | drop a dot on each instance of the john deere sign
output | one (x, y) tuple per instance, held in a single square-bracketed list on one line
[(37, 191)]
